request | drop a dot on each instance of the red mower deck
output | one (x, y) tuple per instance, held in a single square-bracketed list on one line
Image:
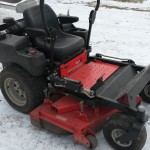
[(69, 114)]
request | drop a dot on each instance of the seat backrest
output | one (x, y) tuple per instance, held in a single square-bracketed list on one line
[(33, 19)]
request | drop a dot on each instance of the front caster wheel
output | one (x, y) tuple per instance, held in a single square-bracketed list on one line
[(145, 94), (118, 125), (93, 141)]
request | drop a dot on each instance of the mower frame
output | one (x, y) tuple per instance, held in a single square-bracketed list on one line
[(115, 87)]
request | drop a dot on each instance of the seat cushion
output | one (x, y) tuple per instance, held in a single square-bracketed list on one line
[(64, 47)]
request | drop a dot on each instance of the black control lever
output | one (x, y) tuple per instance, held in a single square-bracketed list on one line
[(92, 18), (67, 84), (97, 5)]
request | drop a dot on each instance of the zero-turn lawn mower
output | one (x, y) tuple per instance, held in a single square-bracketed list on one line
[(48, 72)]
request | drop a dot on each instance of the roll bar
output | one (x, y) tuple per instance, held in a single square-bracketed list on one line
[(51, 33), (97, 5), (92, 18)]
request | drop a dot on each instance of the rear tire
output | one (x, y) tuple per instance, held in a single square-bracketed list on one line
[(21, 90), (145, 94), (119, 124)]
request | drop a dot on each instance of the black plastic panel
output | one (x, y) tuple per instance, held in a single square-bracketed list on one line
[(116, 82), (13, 49)]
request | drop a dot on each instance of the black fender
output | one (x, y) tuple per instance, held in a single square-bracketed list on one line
[(16, 50)]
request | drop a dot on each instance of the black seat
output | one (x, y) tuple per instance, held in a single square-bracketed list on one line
[(66, 45)]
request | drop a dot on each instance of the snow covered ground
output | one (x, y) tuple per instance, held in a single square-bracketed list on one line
[(121, 33)]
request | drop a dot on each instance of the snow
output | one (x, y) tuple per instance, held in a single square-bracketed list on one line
[(12, 4), (121, 33)]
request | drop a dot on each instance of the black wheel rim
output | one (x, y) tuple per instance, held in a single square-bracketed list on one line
[(15, 92)]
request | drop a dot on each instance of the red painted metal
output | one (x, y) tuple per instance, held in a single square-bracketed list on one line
[(66, 104), (73, 65), (77, 121), (91, 72), (66, 111), (33, 52)]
